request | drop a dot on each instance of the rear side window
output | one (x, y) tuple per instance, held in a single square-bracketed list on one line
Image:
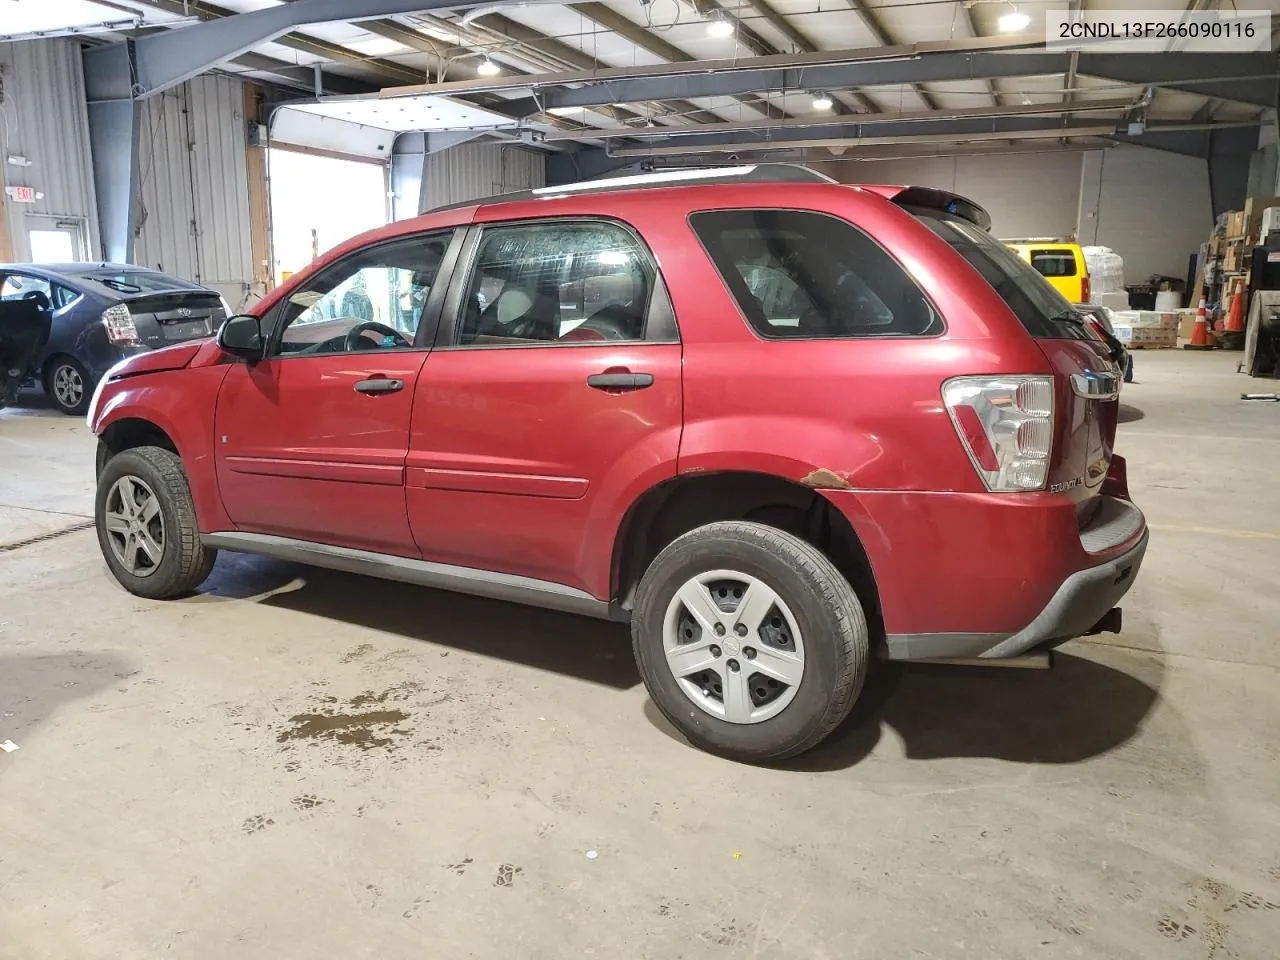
[(803, 275), (1043, 311), (1054, 263), (566, 282)]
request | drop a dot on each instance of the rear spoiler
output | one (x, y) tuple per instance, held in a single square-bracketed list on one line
[(934, 199)]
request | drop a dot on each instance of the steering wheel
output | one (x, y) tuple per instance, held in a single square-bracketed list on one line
[(351, 342), (39, 297)]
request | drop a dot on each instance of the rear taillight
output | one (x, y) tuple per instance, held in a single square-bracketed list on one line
[(119, 323), (1084, 289), (1006, 426)]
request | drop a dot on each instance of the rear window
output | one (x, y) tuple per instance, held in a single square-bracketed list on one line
[(1054, 263), (1043, 311), (803, 275)]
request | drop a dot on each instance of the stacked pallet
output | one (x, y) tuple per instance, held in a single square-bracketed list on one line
[(1146, 329)]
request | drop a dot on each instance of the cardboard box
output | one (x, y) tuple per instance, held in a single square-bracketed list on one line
[(1114, 300), (1186, 324), (1146, 336), (1147, 320)]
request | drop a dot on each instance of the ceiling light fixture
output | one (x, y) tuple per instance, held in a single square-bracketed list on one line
[(719, 26), (1013, 21), (822, 101), (488, 68)]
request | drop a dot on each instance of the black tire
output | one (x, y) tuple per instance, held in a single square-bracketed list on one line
[(826, 610), (185, 562), (73, 405)]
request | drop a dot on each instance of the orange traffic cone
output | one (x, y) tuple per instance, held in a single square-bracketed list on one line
[(1233, 329), (1235, 317), (1200, 332)]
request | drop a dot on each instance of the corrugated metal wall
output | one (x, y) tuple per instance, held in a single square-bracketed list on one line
[(43, 118), (1150, 206), (1027, 195), (475, 170), (194, 192)]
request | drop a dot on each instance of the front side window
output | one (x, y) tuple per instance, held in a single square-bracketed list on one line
[(372, 300), (557, 283), (803, 275)]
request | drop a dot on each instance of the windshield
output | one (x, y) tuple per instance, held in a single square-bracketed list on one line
[(136, 281), (1042, 309)]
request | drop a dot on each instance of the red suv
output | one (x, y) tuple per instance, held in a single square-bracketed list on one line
[(777, 424)]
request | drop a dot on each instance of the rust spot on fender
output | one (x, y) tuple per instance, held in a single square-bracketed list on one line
[(825, 479)]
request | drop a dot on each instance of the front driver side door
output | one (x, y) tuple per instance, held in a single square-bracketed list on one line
[(310, 443)]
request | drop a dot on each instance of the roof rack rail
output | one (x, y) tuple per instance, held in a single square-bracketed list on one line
[(747, 173)]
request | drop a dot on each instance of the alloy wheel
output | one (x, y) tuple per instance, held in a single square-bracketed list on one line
[(135, 526), (68, 386)]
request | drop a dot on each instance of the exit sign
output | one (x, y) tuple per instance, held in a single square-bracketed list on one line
[(22, 194)]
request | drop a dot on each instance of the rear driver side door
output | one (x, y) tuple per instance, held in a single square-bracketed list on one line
[(551, 401), (311, 441)]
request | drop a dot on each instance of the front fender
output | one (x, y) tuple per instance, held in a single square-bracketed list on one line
[(182, 404)]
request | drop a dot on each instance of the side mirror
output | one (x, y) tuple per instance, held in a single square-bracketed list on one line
[(241, 336)]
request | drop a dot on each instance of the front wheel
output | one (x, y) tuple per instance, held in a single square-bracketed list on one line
[(146, 524), (749, 640)]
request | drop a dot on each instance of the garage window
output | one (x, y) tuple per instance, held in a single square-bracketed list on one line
[(803, 275)]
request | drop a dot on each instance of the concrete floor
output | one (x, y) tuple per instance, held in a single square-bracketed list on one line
[(306, 764)]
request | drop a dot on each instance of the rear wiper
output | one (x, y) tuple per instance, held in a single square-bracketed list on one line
[(1070, 316), (119, 285)]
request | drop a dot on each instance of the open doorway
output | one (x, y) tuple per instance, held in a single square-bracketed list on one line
[(55, 240), (318, 201)]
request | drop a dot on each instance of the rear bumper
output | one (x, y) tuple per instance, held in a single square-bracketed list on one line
[(1082, 600), (963, 575)]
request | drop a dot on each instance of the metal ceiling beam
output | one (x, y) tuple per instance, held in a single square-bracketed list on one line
[(212, 15), (166, 59), (973, 29), (774, 126), (302, 78), (800, 61), (944, 131), (615, 22), (743, 34), (1245, 77), (684, 149), (572, 55), (881, 33)]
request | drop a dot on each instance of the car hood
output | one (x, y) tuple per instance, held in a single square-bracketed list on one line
[(168, 358)]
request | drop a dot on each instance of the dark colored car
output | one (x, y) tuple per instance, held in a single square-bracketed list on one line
[(780, 428), (101, 313), (1099, 319)]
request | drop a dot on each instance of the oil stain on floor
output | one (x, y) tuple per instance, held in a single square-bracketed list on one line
[(370, 730), (367, 721)]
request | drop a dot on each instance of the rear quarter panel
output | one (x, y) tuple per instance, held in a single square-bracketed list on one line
[(862, 414)]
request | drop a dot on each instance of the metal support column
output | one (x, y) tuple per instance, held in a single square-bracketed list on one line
[(114, 119)]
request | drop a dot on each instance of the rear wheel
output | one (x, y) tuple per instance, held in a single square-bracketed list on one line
[(67, 383), (147, 525), (749, 640)]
